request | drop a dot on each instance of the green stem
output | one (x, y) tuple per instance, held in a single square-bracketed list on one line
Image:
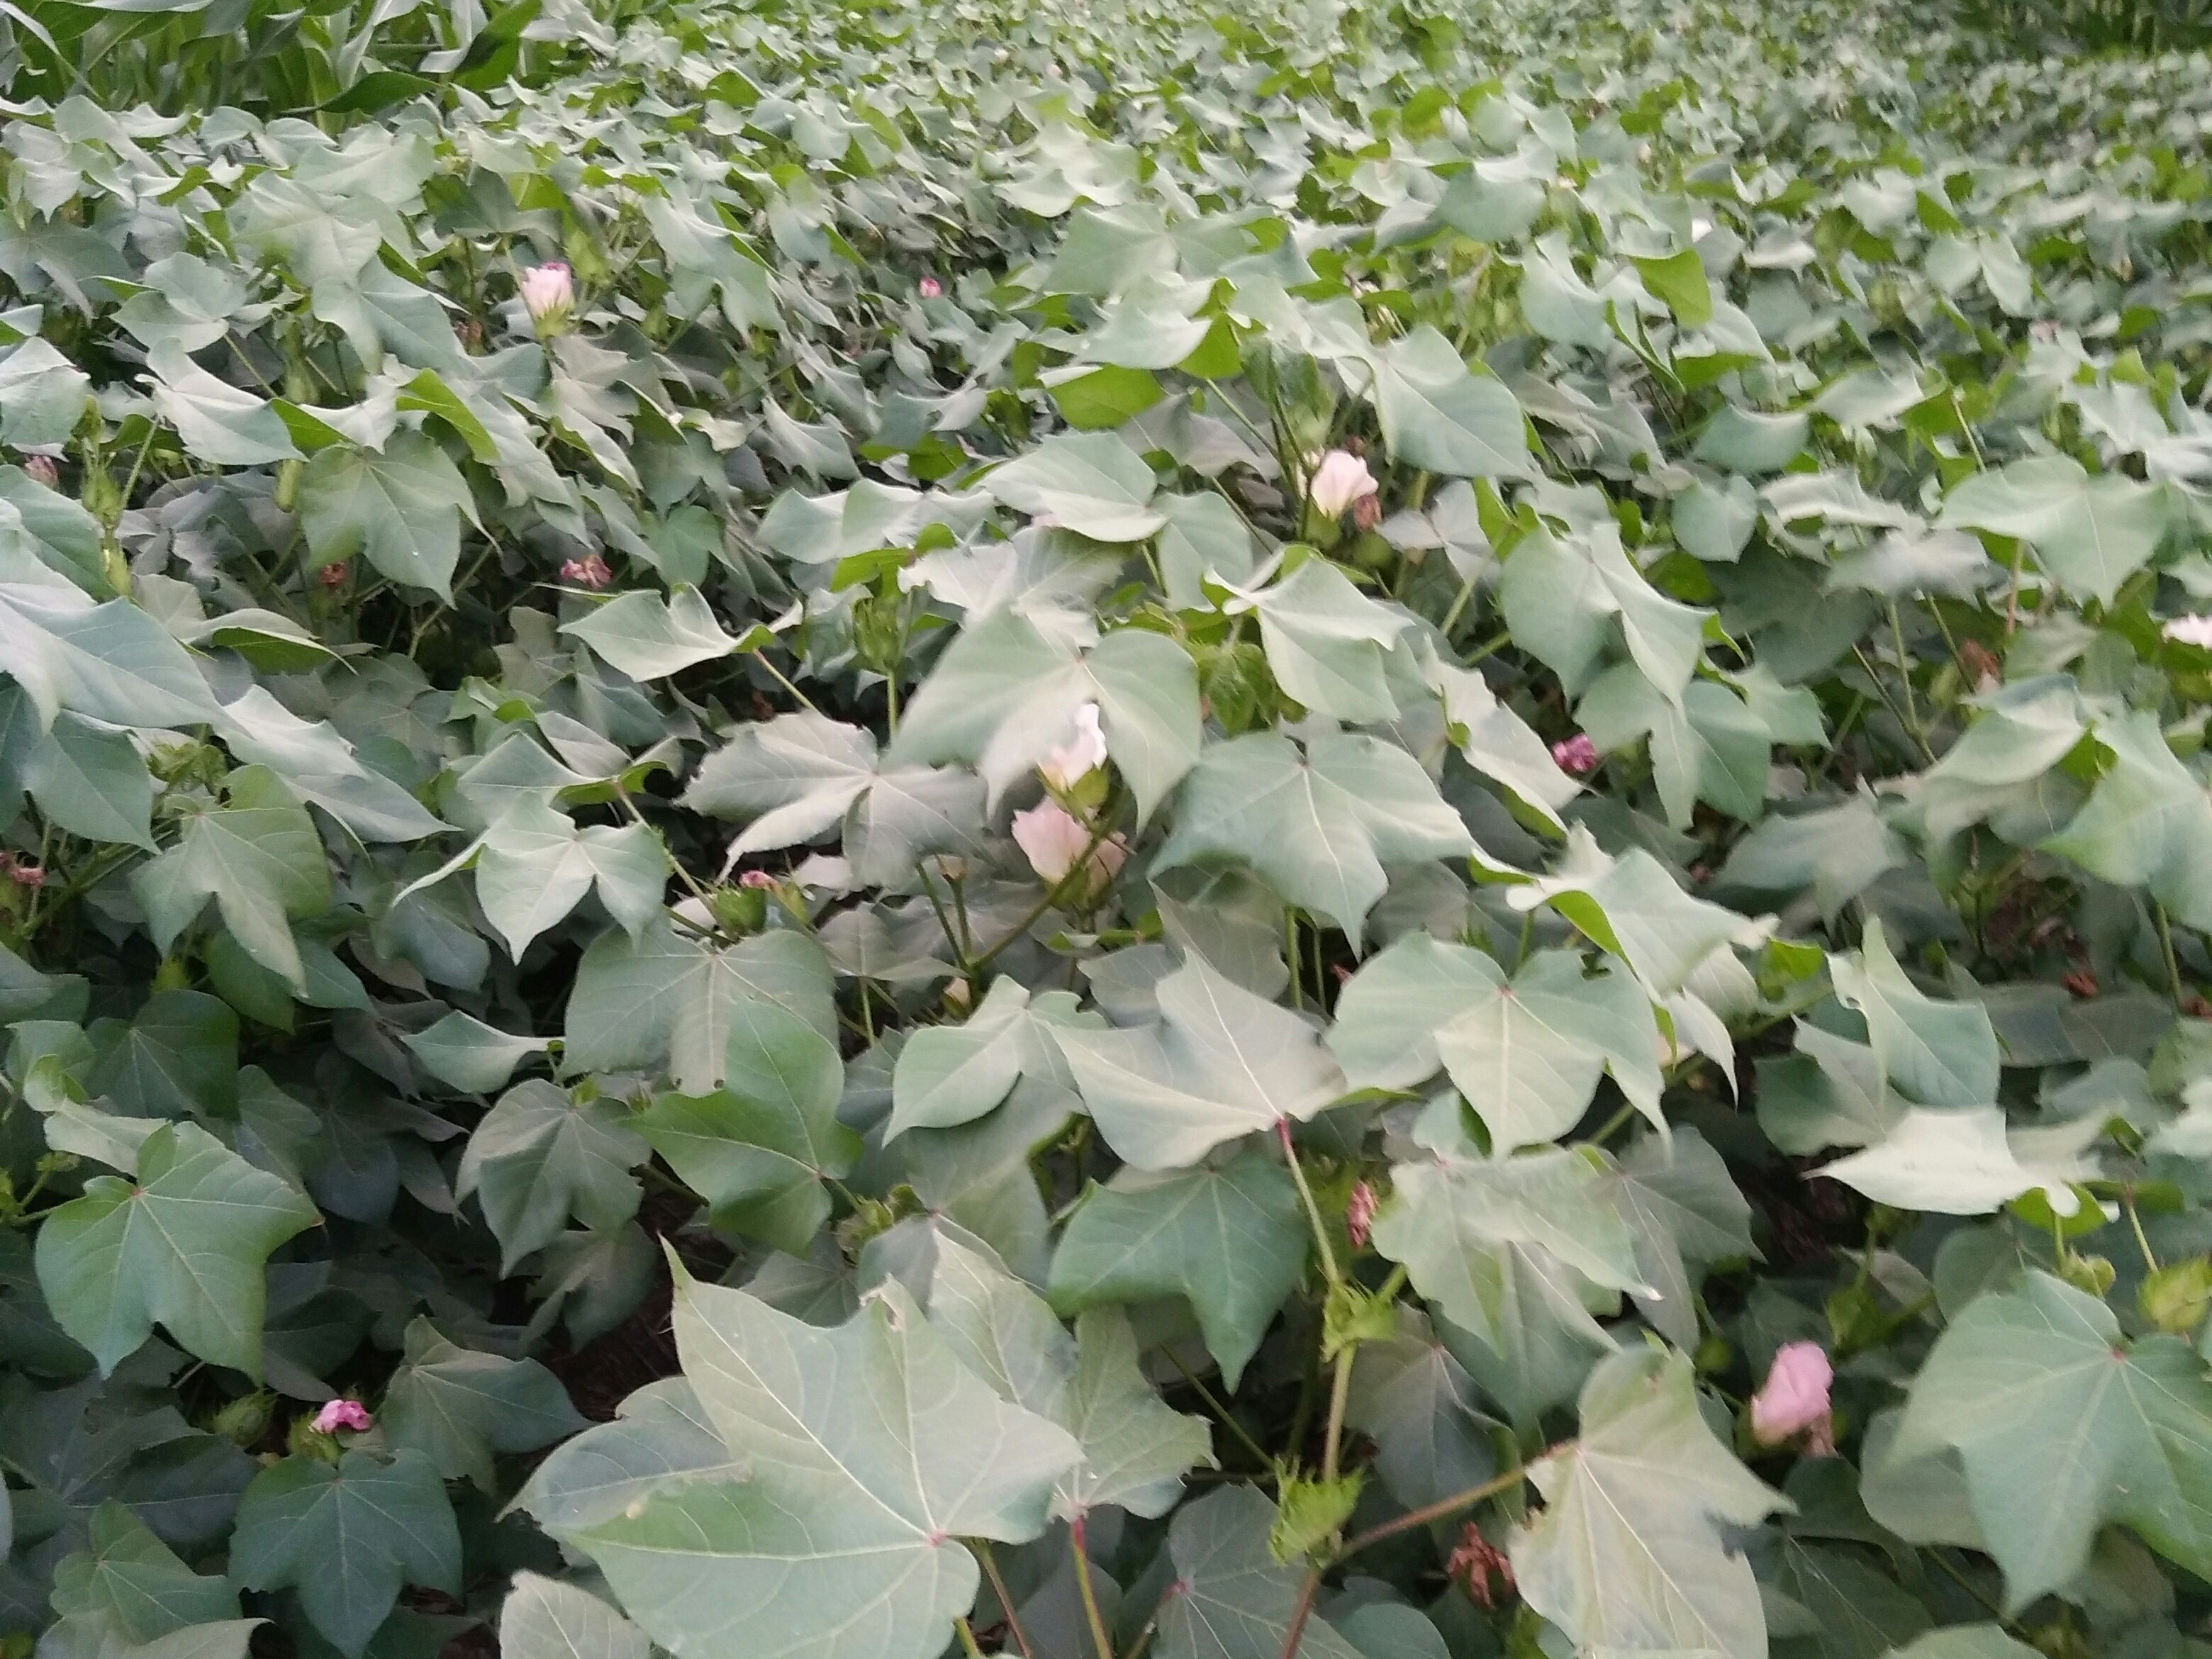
[(1098, 1637), (1214, 1404), (776, 674), (968, 1637), (1339, 1394), (983, 1547), (2165, 946), (1328, 1267), (2135, 1221)]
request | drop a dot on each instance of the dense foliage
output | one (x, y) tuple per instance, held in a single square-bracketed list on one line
[(1091, 830)]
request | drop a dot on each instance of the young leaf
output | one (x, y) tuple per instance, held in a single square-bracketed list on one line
[(457, 1407), (541, 1155)]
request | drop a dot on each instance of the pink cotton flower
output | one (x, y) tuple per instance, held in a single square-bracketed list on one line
[(1576, 754), (929, 288), (1073, 761), (1794, 1400), (1360, 1214), (348, 1414), (589, 572), (549, 294), (42, 468), (1339, 479), (1051, 838)]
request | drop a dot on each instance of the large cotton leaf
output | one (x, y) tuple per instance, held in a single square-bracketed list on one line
[(948, 1075), (843, 1506), (1436, 414), (183, 1244), (535, 866), (1093, 483), (458, 1406), (1940, 1053), (1229, 1239), (1232, 1599), (545, 1619), (544, 1153), (1007, 693), (2091, 533), (2064, 1425), (1566, 597), (346, 1536), (1634, 908), (764, 1149), (1628, 1555), (1960, 1161), (1220, 1063), (1135, 1450), (1325, 643), (1317, 827), (109, 662), (801, 777), (400, 508), (1451, 1219), (1526, 1051), (649, 638)]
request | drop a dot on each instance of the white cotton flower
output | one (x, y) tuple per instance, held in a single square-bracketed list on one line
[(1340, 479), (1069, 764), (549, 294), (2191, 630), (1051, 838)]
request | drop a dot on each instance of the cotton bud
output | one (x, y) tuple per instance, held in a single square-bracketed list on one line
[(43, 470), (1338, 481), (1576, 754), (549, 294), (929, 288)]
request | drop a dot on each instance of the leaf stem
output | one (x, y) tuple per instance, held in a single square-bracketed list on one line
[(968, 1637), (2166, 947), (1214, 1404), (2135, 1221), (776, 674), (1005, 1600), (1098, 1637), (1329, 1269), (1340, 1393)]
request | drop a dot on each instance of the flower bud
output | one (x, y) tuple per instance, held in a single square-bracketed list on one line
[(42, 469), (929, 288)]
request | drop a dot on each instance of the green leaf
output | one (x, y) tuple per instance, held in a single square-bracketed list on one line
[(108, 662), (662, 1436), (217, 422), (948, 1075), (1417, 1403), (1567, 597), (1450, 1219), (2123, 1429), (1438, 416), (1326, 641), (762, 1149), (842, 1509), (1529, 1052), (346, 1536), (536, 866), (1837, 852), (1315, 827), (1232, 1598), (1682, 1210), (400, 508), (261, 860), (1005, 694), (2146, 823), (541, 1155), (648, 638), (1940, 1053), (183, 1244), (1960, 1161), (1679, 280), (1628, 1555), (131, 1587), (2090, 533), (460, 1050), (1231, 1239), (1222, 1063), (177, 1058), (1633, 907), (86, 779), (1093, 483), (459, 1407), (1135, 1450), (664, 1000), (1203, 536), (801, 777), (545, 1619)]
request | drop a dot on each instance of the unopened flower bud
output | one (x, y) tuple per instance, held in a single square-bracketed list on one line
[(929, 288), (42, 469), (548, 293)]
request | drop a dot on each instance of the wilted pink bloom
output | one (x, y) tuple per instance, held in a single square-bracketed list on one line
[(2191, 630), (332, 575), (588, 572), (42, 468), (1340, 479), (1360, 1214), (26, 875), (348, 1414), (929, 288), (1366, 513), (549, 294), (1475, 1561), (1053, 839), (1578, 755), (756, 878), (1072, 762), (1793, 1398)]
